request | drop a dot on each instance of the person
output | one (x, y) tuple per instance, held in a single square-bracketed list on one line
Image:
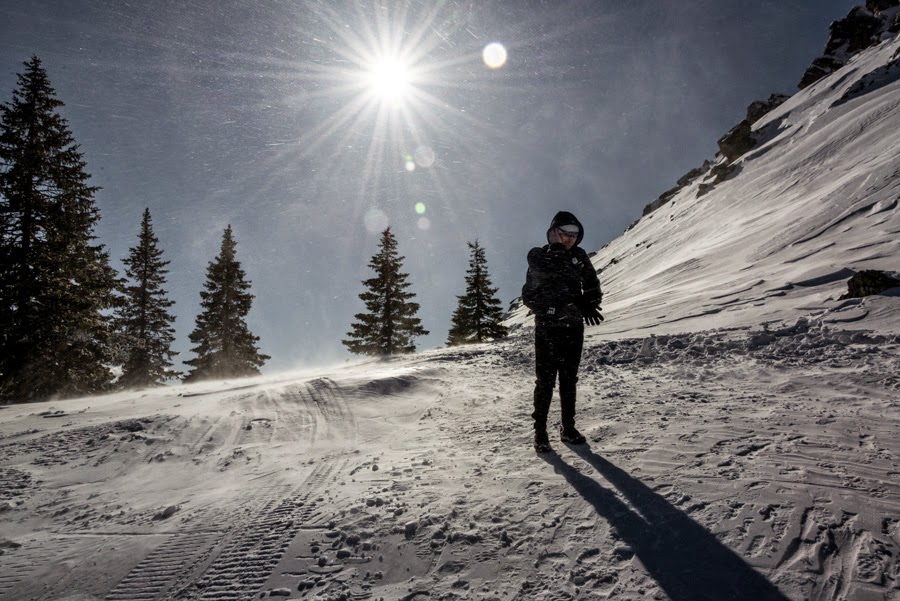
[(563, 291)]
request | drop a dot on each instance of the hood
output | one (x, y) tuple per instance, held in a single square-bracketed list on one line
[(566, 218)]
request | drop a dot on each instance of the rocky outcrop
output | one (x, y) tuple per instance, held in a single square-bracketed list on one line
[(868, 283), (683, 181), (740, 139), (731, 146), (717, 175), (693, 174), (859, 30), (663, 199), (862, 28), (760, 108), (737, 141)]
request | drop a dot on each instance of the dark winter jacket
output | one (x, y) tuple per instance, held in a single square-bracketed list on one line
[(558, 280)]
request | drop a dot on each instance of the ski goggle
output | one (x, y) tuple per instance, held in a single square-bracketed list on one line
[(568, 233)]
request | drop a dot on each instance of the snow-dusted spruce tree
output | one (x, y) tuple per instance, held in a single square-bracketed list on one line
[(144, 322), (389, 326), (56, 284), (225, 347), (478, 314)]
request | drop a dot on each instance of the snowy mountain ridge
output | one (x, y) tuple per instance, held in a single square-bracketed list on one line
[(814, 201), (862, 28)]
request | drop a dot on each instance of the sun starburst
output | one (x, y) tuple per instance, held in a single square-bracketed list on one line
[(390, 78), (385, 85), (389, 94)]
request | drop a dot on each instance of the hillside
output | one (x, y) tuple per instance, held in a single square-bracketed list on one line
[(812, 203)]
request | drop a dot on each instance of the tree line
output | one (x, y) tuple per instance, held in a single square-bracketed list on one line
[(70, 325), (390, 323)]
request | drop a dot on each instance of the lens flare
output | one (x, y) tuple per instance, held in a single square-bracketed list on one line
[(424, 224), (420, 208), (494, 55), (375, 220), (424, 156), (383, 81)]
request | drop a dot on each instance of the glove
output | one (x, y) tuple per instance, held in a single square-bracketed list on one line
[(590, 310), (592, 316), (554, 259), (556, 251)]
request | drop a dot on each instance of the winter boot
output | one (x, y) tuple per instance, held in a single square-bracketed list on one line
[(541, 441), (571, 435)]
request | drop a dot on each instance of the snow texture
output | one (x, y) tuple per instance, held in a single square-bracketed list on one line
[(743, 426)]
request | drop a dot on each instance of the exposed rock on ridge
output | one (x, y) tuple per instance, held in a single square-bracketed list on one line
[(760, 108), (737, 141), (683, 181), (732, 145), (861, 29)]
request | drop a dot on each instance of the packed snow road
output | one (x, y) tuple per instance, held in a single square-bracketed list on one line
[(720, 465)]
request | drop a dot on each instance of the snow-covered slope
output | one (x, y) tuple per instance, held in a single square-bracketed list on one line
[(735, 466), (743, 426), (814, 202)]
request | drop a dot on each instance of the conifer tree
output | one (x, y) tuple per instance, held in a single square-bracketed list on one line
[(225, 347), (145, 324), (57, 284), (478, 314), (390, 324)]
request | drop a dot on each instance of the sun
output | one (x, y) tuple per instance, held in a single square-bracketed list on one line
[(391, 82), (390, 78)]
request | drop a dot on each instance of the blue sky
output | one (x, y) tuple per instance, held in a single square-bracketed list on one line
[(259, 115)]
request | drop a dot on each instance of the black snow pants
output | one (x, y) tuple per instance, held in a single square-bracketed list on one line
[(557, 351)]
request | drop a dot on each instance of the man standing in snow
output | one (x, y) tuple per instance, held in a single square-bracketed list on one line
[(562, 290)]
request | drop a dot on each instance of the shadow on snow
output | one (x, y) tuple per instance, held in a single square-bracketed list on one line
[(685, 559)]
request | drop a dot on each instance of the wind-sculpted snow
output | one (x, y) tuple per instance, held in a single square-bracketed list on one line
[(812, 204), (739, 463)]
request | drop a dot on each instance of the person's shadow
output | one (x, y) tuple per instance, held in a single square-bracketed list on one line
[(685, 559)]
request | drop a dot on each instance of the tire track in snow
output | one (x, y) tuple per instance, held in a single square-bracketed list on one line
[(175, 564), (250, 553), (159, 571), (232, 563), (233, 543), (21, 564), (249, 558)]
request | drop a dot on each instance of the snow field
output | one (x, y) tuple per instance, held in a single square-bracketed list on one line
[(721, 464)]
